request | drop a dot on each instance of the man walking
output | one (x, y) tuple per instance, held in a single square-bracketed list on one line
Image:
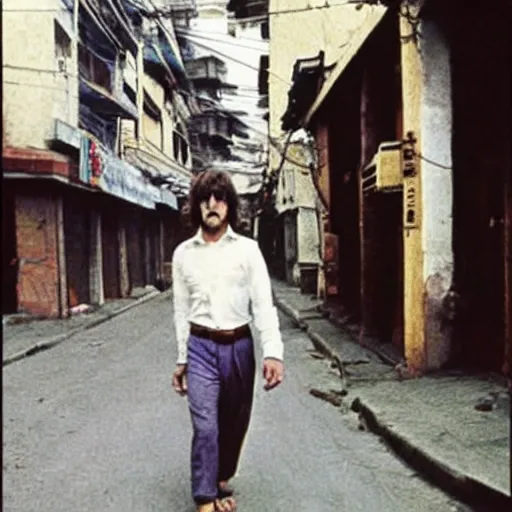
[(220, 284)]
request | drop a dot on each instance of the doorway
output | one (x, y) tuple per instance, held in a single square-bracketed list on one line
[(9, 253)]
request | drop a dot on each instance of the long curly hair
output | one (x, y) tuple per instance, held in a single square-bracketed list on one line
[(203, 186)]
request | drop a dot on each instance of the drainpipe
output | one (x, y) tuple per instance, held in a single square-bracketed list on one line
[(140, 90), (74, 76), (76, 8)]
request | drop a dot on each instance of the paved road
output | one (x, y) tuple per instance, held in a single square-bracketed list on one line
[(92, 425)]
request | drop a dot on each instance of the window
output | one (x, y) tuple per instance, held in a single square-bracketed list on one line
[(94, 69), (62, 48), (176, 145), (180, 145), (184, 151), (265, 31), (263, 75), (152, 122)]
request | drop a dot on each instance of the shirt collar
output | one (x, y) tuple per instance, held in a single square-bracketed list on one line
[(228, 235)]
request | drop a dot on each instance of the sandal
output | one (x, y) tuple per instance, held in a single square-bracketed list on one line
[(227, 504)]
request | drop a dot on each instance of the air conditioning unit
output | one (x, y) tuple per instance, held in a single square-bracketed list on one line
[(384, 172)]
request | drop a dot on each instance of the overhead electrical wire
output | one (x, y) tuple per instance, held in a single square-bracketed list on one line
[(264, 17), (217, 32), (190, 35), (159, 12), (287, 82), (184, 33)]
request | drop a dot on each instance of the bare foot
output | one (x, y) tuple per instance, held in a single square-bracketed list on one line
[(207, 507)]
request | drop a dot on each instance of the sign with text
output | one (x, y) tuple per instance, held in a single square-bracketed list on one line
[(411, 204), (411, 186), (126, 182)]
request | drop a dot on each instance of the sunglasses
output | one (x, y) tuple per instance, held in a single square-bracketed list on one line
[(219, 195)]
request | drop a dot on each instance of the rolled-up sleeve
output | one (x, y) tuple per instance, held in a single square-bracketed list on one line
[(181, 302), (262, 305)]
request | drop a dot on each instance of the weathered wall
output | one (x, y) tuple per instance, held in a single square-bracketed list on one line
[(428, 252), (295, 186), (35, 92), (437, 189), (308, 242)]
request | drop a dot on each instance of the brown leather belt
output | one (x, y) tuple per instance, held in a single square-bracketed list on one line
[(223, 337)]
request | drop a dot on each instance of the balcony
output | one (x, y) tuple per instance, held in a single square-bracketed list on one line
[(207, 72), (212, 125), (101, 86)]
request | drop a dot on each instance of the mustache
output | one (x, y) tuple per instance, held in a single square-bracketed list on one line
[(212, 214)]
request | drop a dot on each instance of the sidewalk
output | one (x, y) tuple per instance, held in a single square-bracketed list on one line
[(24, 335), (431, 422)]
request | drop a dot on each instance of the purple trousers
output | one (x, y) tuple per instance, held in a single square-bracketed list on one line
[(220, 393)]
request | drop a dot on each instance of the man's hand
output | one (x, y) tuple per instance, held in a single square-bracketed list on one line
[(273, 373), (179, 379)]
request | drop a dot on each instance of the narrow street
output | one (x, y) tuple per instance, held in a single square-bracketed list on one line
[(93, 425)]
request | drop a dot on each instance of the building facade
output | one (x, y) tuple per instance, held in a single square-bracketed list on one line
[(94, 161), (301, 209), (414, 164)]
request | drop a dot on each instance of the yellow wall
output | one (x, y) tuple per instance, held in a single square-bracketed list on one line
[(152, 131), (33, 99), (155, 90), (414, 317), (159, 134), (303, 35), (156, 141)]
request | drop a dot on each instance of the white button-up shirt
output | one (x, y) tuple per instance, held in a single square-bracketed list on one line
[(223, 285)]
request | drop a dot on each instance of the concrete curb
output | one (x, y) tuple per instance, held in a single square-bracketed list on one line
[(51, 342), (318, 342), (292, 313), (461, 486)]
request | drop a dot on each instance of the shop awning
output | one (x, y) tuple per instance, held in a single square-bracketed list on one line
[(125, 181), (348, 53)]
